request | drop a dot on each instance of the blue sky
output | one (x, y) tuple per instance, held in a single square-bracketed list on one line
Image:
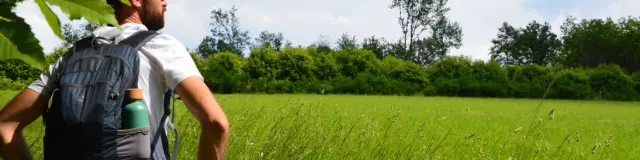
[(303, 22)]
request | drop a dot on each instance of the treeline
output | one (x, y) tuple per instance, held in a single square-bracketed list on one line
[(358, 71)]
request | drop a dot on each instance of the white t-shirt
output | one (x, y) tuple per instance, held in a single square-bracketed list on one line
[(164, 63)]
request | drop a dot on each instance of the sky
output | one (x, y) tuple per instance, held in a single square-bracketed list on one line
[(303, 22)]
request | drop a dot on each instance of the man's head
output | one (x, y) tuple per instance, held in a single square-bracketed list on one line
[(148, 12)]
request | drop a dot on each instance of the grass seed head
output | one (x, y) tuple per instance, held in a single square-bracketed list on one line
[(517, 130), (539, 120)]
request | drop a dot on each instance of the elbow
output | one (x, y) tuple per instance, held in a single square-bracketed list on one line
[(218, 126), (7, 134)]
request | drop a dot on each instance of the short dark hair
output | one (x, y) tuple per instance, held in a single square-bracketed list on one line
[(114, 3)]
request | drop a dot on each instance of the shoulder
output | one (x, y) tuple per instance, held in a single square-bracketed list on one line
[(166, 42), (164, 48)]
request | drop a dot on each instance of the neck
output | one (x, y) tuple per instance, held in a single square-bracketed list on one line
[(129, 16)]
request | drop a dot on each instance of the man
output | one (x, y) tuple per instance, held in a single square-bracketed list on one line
[(164, 64)]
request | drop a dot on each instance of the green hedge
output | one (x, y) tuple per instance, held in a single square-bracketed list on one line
[(358, 71)]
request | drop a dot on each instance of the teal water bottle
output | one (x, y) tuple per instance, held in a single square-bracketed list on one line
[(135, 113)]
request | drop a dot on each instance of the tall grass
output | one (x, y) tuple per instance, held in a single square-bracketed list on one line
[(394, 127)]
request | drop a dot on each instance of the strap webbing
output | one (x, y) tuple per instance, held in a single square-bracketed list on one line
[(137, 40)]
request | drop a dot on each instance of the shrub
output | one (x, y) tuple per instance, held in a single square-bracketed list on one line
[(295, 64), (263, 63), (611, 83), (571, 84), (224, 73), (447, 87), (450, 68), (354, 61), (9, 84)]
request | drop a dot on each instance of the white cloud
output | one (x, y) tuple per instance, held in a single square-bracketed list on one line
[(303, 22)]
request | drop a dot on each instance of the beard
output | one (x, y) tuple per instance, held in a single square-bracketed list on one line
[(152, 17)]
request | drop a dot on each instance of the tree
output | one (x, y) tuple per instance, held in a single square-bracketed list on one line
[(18, 41), (379, 46), (534, 44), (418, 16), (592, 42), (225, 33), (72, 34), (322, 44), (444, 35), (208, 47), (347, 41), (272, 40)]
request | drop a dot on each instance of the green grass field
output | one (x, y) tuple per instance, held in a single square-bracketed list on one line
[(394, 127)]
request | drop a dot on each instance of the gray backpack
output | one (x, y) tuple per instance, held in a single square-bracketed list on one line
[(84, 118)]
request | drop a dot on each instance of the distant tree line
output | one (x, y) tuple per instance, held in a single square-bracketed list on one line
[(590, 59)]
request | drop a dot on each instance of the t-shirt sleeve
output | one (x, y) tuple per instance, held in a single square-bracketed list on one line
[(173, 58), (44, 82)]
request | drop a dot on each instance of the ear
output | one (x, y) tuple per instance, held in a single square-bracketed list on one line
[(136, 3)]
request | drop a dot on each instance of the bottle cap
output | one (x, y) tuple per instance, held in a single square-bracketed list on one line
[(134, 94)]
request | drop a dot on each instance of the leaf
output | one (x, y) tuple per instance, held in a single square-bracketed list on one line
[(51, 17), (126, 2), (5, 19), (18, 42), (95, 11)]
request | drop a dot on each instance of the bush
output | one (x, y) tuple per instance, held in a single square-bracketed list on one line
[(529, 81), (636, 78), (224, 74), (447, 87), (358, 71), (609, 82), (354, 61), (450, 68), (404, 71), (263, 63), (571, 84), (9, 84), (18, 70), (326, 66), (295, 64)]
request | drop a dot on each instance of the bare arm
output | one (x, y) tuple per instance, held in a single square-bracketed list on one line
[(20, 112), (214, 125)]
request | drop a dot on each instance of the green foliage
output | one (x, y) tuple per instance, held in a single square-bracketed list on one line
[(359, 71), (263, 63), (226, 35), (534, 44), (96, 11), (418, 17), (224, 73), (590, 43), (13, 85), (18, 71), (608, 81), (51, 17), (354, 61), (296, 64), (572, 84), (17, 41)]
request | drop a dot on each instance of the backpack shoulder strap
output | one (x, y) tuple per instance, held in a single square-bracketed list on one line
[(137, 40)]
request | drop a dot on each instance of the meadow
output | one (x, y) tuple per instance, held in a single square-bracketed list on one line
[(290, 126)]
